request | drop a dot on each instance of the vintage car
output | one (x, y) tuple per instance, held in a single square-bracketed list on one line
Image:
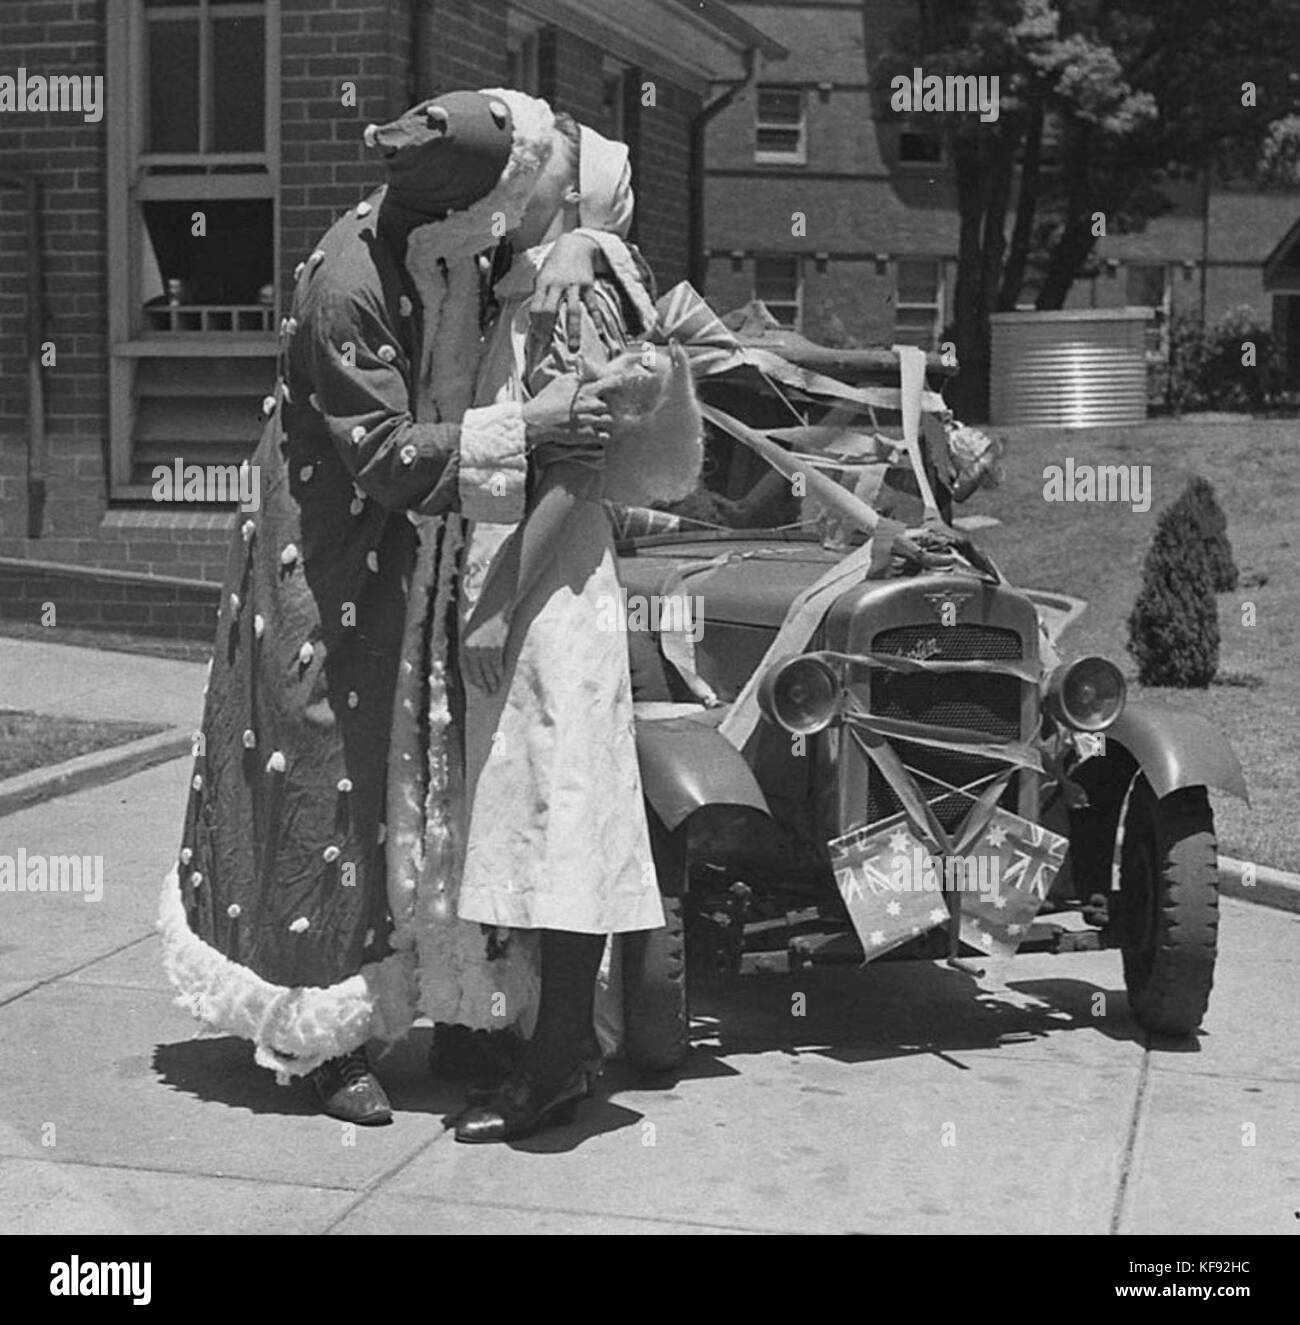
[(743, 830)]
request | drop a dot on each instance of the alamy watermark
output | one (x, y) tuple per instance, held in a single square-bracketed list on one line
[(1121, 483), (675, 614), (35, 873), (77, 1278), (208, 483), (953, 92), (918, 871), (81, 94)]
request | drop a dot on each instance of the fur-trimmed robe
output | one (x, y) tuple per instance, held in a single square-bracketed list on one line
[(277, 922)]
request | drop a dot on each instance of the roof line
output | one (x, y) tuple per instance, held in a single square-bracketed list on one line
[(729, 24), (1274, 259)]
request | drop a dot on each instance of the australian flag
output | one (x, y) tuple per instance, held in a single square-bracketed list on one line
[(1020, 860)]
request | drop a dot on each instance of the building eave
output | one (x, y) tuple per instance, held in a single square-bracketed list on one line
[(695, 43), (1276, 260)]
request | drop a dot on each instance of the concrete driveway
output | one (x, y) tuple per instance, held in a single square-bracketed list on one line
[(908, 1098)]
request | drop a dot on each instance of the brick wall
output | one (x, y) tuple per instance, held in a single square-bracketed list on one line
[(325, 168), (166, 608), (660, 156), (462, 44), (67, 156)]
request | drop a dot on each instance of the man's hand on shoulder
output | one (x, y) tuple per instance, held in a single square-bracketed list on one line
[(567, 276)]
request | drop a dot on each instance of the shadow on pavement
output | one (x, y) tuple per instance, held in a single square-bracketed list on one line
[(892, 1012), (222, 1070)]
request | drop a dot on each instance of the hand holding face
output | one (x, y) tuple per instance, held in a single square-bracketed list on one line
[(568, 412)]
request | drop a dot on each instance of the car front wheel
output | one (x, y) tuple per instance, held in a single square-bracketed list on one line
[(656, 1014), (1169, 903)]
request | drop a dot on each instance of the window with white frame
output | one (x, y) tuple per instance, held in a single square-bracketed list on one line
[(193, 175), (780, 126), (918, 302), (778, 282)]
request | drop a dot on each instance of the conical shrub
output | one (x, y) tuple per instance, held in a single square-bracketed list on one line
[(1173, 630), (1199, 505)]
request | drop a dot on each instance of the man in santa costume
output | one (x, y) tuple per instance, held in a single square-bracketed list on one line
[(282, 921)]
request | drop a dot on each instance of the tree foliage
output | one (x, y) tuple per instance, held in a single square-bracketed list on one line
[(1104, 108)]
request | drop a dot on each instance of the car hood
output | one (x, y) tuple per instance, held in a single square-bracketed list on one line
[(753, 583), (756, 579)]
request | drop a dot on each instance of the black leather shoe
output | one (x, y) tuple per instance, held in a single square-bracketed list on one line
[(349, 1091), (525, 1105)]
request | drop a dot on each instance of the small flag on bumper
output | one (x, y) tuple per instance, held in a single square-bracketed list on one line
[(876, 870), (1019, 860)]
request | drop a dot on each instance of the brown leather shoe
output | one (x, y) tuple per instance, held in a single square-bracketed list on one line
[(349, 1091)]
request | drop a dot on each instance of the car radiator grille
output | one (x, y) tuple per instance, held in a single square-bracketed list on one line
[(987, 704)]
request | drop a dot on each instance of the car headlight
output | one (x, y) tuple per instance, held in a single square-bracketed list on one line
[(801, 695), (1087, 694)]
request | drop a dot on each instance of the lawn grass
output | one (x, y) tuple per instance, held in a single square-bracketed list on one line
[(35, 740), (1095, 551)]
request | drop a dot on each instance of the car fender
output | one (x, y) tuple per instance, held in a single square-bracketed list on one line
[(686, 764), (1178, 748)]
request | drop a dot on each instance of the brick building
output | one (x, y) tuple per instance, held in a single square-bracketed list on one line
[(227, 141), (877, 262)]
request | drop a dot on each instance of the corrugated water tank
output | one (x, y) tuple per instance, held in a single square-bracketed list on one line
[(1075, 368)]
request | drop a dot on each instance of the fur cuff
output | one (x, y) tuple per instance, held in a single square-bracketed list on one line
[(293, 1030), (493, 463)]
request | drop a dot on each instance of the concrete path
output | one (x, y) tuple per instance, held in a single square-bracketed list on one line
[(907, 1098), (99, 683)]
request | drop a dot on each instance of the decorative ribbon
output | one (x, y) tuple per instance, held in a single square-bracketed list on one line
[(920, 814), (897, 662), (825, 490), (870, 561), (911, 364), (956, 740), (676, 645)]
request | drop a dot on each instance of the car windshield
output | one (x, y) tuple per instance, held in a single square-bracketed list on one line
[(739, 489)]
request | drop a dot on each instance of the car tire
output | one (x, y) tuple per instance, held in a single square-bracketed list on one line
[(1169, 902), (656, 1014)]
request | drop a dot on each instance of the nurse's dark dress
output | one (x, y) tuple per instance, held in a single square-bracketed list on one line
[(275, 921)]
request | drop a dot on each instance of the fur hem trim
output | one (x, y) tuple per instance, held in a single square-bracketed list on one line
[(626, 274), (493, 463), (407, 771), (293, 1029)]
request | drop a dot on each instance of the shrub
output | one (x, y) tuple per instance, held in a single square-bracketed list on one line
[(1174, 625), (1199, 506), (1206, 369)]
